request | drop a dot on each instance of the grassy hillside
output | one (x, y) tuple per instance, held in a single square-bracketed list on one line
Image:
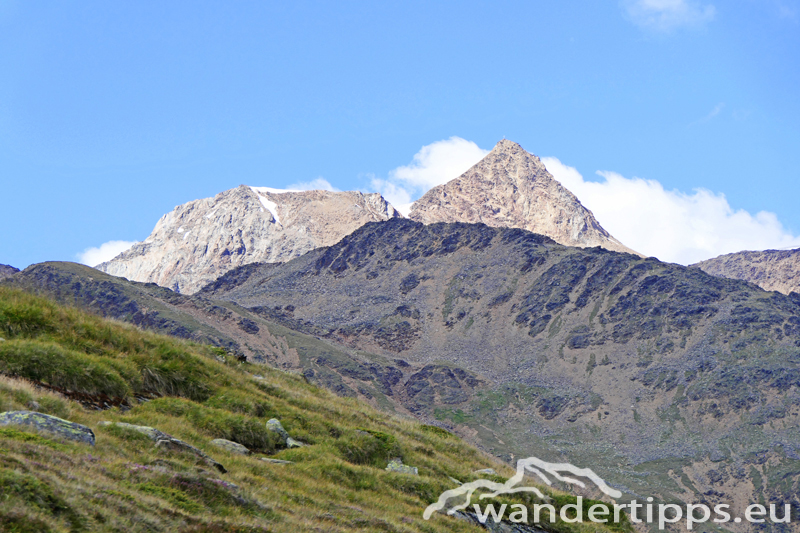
[(195, 393), (345, 371)]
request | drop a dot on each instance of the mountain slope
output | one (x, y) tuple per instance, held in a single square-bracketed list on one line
[(126, 482), (152, 307), (512, 188), (201, 240), (378, 380), (772, 270), (630, 364)]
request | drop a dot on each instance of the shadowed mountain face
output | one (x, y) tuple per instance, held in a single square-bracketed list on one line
[(666, 380), (511, 188), (772, 270)]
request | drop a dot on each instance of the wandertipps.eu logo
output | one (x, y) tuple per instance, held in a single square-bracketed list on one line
[(519, 513), (474, 499)]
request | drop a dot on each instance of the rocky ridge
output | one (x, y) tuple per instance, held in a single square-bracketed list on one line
[(772, 270), (201, 240), (512, 188), (6, 271)]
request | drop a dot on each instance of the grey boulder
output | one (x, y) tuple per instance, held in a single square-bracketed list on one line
[(273, 424), (233, 447), (49, 424)]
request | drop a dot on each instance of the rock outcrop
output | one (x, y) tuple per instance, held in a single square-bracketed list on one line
[(49, 424), (772, 270), (201, 240), (6, 271), (512, 188)]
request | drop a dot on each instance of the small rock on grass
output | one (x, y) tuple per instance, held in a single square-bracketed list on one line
[(276, 461), (291, 443), (273, 424), (396, 465), (233, 447)]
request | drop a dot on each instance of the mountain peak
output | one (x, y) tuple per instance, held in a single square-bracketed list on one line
[(6, 271), (505, 145), (201, 240), (511, 187), (513, 149)]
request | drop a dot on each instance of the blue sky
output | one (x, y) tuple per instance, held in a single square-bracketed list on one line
[(112, 113)]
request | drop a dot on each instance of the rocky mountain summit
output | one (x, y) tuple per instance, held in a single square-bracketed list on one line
[(201, 240), (772, 270), (6, 271), (512, 188)]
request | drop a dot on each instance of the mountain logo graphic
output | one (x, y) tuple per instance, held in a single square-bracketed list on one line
[(532, 465)]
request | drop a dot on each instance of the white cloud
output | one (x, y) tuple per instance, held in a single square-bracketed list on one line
[(434, 164), (672, 225), (667, 15), (397, 195), (439, 162), (105, 252), (319, 184)]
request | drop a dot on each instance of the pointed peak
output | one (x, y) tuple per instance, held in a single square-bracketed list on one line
[(505, 144), (514, 149)]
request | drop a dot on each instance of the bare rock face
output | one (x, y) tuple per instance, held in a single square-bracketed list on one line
[(512, 188), (772, 270), (6, 271), (201, 240)]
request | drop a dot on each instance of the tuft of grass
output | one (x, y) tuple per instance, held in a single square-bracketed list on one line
[(13, 433), (49, 363), (32, 492), (368, 447), (84, 353), (15, 522)]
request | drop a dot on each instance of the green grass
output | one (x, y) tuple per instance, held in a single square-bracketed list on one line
[(125, 483)]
